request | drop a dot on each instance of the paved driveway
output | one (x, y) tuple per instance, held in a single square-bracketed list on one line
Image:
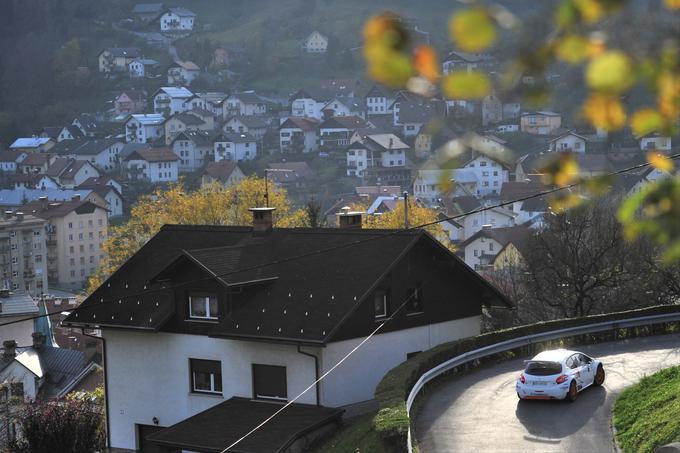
[(480, 411)]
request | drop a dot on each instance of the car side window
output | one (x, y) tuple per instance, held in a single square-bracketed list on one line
[(572, 362), (585, 360)]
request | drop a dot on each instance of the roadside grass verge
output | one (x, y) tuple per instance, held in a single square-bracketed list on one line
[(647, 415), (356, 437)]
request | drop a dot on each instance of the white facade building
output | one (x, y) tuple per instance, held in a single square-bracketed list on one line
[(143, 128), (177, 19)]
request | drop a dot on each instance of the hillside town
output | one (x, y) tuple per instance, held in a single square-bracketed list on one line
[(204, 322)]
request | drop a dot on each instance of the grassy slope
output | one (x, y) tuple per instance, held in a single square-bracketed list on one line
[(358, 437), (647, 415)]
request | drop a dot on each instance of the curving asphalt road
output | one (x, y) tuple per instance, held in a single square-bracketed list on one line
[(480, 411)]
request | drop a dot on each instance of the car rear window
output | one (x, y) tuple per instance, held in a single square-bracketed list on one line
[(543, 368)]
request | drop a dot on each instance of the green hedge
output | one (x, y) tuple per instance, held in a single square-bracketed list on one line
[(392, 420)]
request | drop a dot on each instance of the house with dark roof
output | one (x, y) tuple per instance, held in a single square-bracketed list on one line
[(70, 132), (569, 141), (344, 106), (253, 125), (117, 59), (159, 164), (378, 101), (202, 318), (309, 102), (299, 135), (102, 153), (89, 126), (181, 122), (235, 146), (109, 190), (50, 132), (290, 174), (177, 19), (33, 181), (223, 172), (412, 114), (70, 173), (183, 72), (482, 247), (129, 102), (246, 103), (376, 151), (45, 372), (147, 12), (467, 211), (9, 160), (335, 132), (35, 163), (193, 148)]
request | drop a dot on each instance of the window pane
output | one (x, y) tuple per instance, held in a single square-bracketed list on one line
[(269, 381), (198, 306), (212, 302), (380, 304), (202, 381)]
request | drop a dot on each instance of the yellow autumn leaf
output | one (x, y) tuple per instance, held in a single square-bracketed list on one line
[(385, 29), (466, 85), (572, 49), (389, 67), (659, 161), (673, 4), (605, 112), (560, 170), (646, 121), (426, 62), (590, 10), (668, 92), (610, 72), (473, 30), (563, 201)]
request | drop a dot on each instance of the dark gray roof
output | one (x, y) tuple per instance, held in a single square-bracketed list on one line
[(216, 428), (83, 147), (419, 112), (58, 366), (200, 138), (129, 52), (248, 98), (254, 122), (148, 8), (17, 304), (235, 137)]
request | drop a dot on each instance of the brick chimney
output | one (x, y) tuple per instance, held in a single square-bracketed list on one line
[(10, 348), (349, 219), (263, 220), (38, 340)]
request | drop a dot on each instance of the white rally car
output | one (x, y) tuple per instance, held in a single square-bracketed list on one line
[(558, 374)]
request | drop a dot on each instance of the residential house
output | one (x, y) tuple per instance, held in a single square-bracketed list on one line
[(90, 127), (35, 163), (412, 115), (629, 183), (70, 173), (181, 122), (207, 116), (431, 185), (32, 144), (299, 135), (308, 103), (466, 211), (14, 199), (183, 72), (374, 151), (45, 371), (76, 230), (517, 190), (143, 67), (50, 132), (482, 247), (335, 133), (147, 12), (224, 172), (117, 59), (144, 128), (194, 148), (540, 123), (69, 132), (432, 137), (252, 125), (378, 101), (236, 147), (244, 104), (130, 102), (156, 165), (569, 141), (33, 181), (214, 102), (490, 173), (232, 345), (23, 257), (467, 62), (177, 19), (344, 106), (171, 100), (102, 153), (656, 142), (315, 42), (15, 307), (9, 160), (290, 175), (109, 190), (492, 110), (507, 126)]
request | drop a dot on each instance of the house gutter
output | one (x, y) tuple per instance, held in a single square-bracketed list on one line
[(106, 384), (316, 372)]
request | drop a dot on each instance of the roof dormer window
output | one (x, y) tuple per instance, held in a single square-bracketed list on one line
[(203, 306)]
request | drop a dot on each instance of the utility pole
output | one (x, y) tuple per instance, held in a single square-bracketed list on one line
[(266, 184)]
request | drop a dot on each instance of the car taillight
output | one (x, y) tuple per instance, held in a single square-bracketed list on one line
[(561, 378), (521, 379)]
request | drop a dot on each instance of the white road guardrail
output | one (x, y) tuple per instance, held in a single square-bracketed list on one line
[(515, 343)]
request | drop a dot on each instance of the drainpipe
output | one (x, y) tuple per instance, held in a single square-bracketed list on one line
[(106, 384), (316, 372)]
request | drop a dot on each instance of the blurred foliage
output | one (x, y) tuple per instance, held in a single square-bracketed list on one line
[(610, 73)]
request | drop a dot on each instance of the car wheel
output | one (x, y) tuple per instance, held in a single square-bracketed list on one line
[(572, 394), (599, 376), (519, 396)]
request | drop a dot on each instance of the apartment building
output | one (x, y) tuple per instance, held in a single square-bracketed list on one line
[(76, 230), (23, 252)]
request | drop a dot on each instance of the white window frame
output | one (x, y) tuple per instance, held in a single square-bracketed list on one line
[(206, 298)]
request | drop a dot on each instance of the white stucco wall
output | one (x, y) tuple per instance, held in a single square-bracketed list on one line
[(148, 376), (355, 380)]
